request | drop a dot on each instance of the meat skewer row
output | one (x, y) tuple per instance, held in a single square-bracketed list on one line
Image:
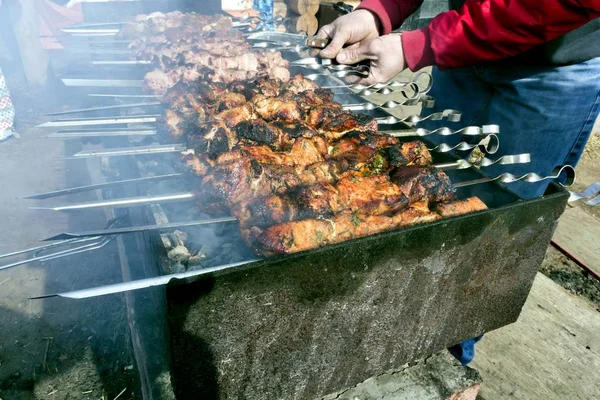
[(188, 66), (188, 106), (244, 181), (307, 234), (185, 24)]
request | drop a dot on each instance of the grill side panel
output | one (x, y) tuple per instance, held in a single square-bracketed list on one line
[(319, 322)]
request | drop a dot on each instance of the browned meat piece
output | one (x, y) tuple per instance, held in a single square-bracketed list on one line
[(307, 234), (174, 124), (347, 122), (372, 195), (280, 73), (212, 139), (300, 84), (241, 180), (424, 183), (234, 116), (269, 87), (416, 153), (304, 151), (317, 116), (311, 98), (197, 165), (228, 101), (325, 171), (262, 132), (460, 207), (158, 82), (295, 129), (272, 109)]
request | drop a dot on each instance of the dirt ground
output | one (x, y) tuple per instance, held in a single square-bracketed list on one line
[(54, 348), (557, 266)]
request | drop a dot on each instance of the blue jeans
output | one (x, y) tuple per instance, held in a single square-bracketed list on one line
[(548, 112)]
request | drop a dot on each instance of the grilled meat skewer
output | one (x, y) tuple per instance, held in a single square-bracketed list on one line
[(307, 234), (243, 179)]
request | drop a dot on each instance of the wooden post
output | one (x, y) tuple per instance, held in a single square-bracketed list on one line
[(27, 31)]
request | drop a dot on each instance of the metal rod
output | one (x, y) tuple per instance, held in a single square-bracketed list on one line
[(426, 102), (589, 192), (63, 253), (88, 82), (576, 260), (100, 121), (488, 145), (113, 107), (90, 32), (125, 202), (101, 132), (142, 283), (485, 162), (121, 62), (567, 170), (144, 228), (126, 96), (98, 51), (129, 151), (105, 185), (45, 247)]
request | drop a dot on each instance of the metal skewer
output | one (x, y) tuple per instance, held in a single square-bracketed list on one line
[(458, 164), (124, 202), (142, 283), (78, 189), (126, 96), (591, 191), (130, 151), (485, 162), (450, 115), (97, 244), (88, 82), (567, 170), (144, 228), (391, 85), (138, 119), (466, 131), (102, 108), (593, 202), (488, 145), (187, 196), (368, 106), (107, 132)]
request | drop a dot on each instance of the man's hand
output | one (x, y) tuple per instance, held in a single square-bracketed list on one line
[(385, 54), (349, 29)]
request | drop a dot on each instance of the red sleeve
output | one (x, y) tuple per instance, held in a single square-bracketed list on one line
[(391, 13), (486, 30)]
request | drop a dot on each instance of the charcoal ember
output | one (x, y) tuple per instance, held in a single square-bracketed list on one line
[(151, 168), (178, 238), (108, 168), (197, 259), (179, 254), (177, 268)]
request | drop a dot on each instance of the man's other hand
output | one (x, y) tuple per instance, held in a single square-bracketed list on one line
[(349, 29), (385, 54)]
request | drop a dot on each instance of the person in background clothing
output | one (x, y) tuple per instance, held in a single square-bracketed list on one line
[(7, 111), (532, 67)]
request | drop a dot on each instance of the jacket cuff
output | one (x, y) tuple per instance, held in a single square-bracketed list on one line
[(387, 10), (416, 46)]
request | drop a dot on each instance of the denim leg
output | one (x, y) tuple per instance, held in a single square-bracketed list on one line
[(459, 89), (547, 112)]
